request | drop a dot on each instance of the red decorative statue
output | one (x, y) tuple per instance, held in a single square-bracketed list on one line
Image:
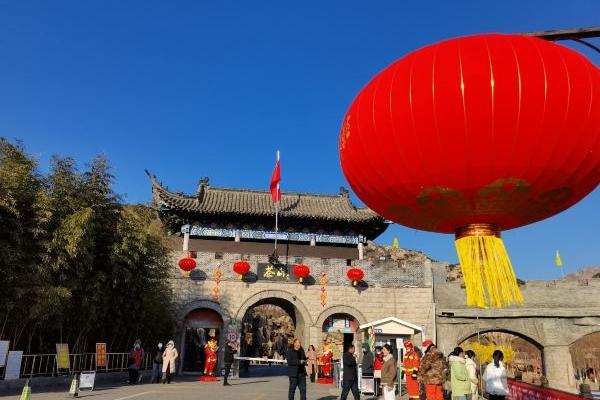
[(210, 351)]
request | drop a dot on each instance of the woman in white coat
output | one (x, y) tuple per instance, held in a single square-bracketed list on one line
[(169, 357), (494, 376), (472, 370)]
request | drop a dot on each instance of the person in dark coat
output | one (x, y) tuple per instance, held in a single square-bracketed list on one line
[(367, 361), (350, 378), (228, 360), (296, 360)]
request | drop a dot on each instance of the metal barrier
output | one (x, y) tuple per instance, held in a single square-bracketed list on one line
[(34, 365)]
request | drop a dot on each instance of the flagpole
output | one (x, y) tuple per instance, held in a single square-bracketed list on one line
[(277, 210)]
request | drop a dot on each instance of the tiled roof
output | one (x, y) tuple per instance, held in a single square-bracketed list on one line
[(213, 200)]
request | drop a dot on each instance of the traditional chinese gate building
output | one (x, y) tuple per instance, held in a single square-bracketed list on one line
[(218, 226)]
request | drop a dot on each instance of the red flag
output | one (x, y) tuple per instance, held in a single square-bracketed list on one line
[(275, 179)]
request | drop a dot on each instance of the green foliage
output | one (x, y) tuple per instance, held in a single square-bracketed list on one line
[(78, 266)]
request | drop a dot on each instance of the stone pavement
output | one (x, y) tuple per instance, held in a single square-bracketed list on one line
[(188, 388)]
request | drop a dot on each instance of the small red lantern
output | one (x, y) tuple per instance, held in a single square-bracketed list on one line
[(355, 275), (241, 268), (187, 264), (301, 271)]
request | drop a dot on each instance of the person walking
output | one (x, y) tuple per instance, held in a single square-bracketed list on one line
[(494, 377), (350, 376), (136, 354), (388, 374), (157, 364), (228, 360), (169, 357), (472, 370), (459, 376), (433, 371), (311, 367), (296, 360)]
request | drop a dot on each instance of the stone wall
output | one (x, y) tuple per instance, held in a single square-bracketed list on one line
[(554, 315), (404, 292)]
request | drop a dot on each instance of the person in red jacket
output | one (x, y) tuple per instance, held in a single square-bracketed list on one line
[(377, 367), (410, 366)]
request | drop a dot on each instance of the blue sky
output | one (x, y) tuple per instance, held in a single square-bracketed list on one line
[(196, 88)]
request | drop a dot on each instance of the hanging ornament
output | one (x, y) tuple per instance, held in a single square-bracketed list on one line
[(241, 268), (501, 131), (301, 272), (323, 282), (355, 275), (216, 290), (186, 265)]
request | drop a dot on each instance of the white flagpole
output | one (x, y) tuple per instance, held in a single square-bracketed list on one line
[(277, 209)]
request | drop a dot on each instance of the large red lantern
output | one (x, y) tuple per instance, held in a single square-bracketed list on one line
[(241, 268), (187, 264), (476, 135), (355, 275), (301, 272)]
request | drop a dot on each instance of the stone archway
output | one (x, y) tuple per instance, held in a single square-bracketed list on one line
[(194, 307), (533, 341), (318, 334), (286, 300), (340, 309), (521, 353), (207, 304)]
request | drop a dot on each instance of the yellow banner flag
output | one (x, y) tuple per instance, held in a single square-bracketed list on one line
[(396, 244), (557, 259), (62, 356)]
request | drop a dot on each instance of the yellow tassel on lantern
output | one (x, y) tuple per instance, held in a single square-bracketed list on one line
[(487, 271)]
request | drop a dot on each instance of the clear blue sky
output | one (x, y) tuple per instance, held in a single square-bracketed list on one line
[(198, 88)]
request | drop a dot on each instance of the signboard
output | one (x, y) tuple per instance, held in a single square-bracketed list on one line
[(232, 337), (275, 272), (86, 380), (3, 352), (13, 365), (62, 356), (378, 330), (367, 385), (100, 355), (196, 230)]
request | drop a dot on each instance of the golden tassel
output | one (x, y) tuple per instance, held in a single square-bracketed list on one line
[(487, 271)]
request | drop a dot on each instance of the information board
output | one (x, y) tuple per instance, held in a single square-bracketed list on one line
[(86, 380), (62, 356), (3, 352), (13, 365), (100, 355)]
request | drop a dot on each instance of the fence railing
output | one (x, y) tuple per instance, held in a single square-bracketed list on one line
[(35, 365)]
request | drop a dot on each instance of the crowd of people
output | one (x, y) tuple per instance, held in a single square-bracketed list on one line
[(429, 375)]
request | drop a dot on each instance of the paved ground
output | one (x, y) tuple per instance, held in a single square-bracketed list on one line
[(187, 388), (264, 383)]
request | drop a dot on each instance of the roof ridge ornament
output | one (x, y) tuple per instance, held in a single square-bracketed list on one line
[(344, 192), (203, 184)]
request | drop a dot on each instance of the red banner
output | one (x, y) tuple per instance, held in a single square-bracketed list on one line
[(526, 391)]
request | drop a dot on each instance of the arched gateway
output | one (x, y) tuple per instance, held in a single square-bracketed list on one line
[(217, 227)]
